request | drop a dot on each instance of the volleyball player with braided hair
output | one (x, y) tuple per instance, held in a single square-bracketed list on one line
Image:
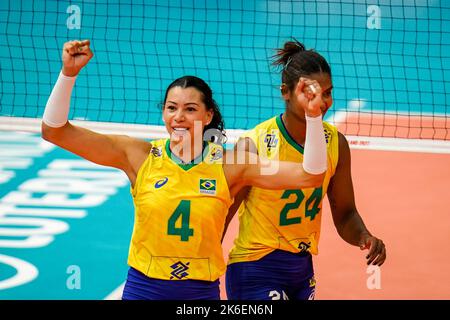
[(182, 186), (279, 229)]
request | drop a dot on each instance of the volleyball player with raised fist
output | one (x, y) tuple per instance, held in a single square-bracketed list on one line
[(279, 229), (181, 186)]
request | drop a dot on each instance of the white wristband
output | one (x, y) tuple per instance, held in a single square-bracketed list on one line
[(315, 155), (57, 109)]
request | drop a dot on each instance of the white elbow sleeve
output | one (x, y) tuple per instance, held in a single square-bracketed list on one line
[(315, 155), (57, 109)]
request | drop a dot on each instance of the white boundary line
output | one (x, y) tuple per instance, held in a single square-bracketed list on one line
[(142, 131), (156, 132), (397, 144), (116, 294)]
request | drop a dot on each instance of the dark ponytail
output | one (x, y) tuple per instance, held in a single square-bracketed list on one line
[(297, 62)]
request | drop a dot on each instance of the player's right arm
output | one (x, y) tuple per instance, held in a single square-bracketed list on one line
[(117, 151)]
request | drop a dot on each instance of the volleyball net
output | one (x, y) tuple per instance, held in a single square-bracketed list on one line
[(390, 61)]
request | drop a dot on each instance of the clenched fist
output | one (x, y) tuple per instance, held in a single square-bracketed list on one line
[(309, 96), (76, 54)]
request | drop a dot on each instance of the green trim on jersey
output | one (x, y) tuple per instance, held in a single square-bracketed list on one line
[(287, 136), (179, 162)]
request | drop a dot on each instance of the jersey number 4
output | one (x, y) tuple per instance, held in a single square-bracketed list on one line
[(312, 205), (183, 212)]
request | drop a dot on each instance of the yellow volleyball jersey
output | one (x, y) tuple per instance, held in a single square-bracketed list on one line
[(281, 219), (180, 211)]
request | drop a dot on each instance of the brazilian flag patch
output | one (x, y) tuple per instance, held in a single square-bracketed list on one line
[(208, 186)]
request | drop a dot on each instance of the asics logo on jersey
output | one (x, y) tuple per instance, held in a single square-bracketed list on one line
[(179, 270), (161, 182)]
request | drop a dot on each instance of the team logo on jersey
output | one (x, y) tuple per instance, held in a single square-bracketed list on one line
[(156, 152), (179, 270), (208, 186), (271, 141), (160, 183), (303, 246), (216, 155), (268, 143)]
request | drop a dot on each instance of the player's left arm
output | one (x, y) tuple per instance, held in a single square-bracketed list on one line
[(269, 174), (250, 169), (279, 175), (347, 220)]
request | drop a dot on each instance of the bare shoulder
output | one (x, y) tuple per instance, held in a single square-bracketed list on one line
[(131, 144), (135, 146), (343, 168), (238, 162), (136, 150), (343, 143), (344, 149), (233, 171)]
